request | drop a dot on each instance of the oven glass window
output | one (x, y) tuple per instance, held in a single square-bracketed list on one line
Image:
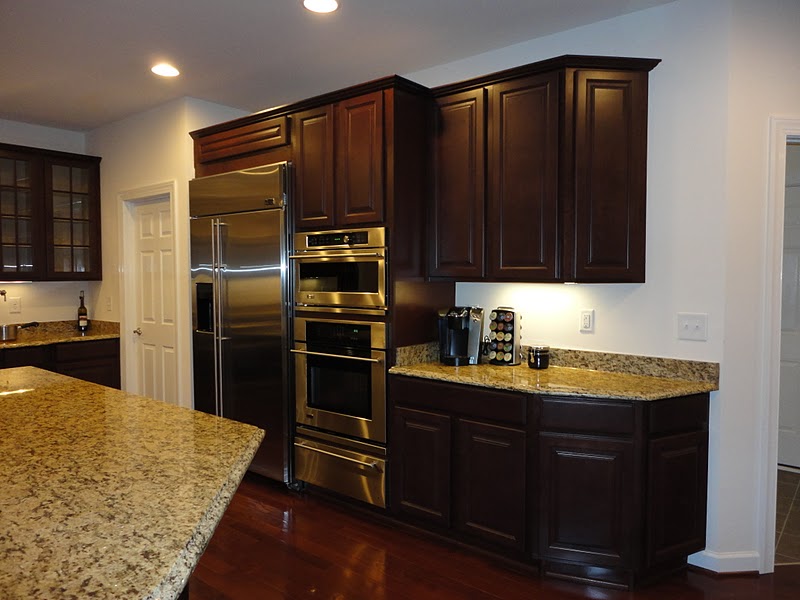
[(340, 385), (338, 277)]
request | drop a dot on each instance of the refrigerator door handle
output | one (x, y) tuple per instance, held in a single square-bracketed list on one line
[(216, 251)]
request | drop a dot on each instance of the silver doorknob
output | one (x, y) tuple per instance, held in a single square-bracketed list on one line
[(138, 331)]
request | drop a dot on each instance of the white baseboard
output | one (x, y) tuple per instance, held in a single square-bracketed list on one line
[(727, 562)]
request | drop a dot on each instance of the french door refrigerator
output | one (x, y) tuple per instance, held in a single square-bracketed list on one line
[(240, 325)]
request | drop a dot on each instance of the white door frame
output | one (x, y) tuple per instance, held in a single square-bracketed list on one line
[(780, 130), (128, 200)]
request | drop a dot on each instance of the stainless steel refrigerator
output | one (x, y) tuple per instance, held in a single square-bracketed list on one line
[(240, 304)]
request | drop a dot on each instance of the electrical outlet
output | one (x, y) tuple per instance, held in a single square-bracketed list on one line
[(693, 326), (108, 304), (14, 305), (587, 321)]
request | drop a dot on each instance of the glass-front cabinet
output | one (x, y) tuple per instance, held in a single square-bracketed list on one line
[(49, 215)]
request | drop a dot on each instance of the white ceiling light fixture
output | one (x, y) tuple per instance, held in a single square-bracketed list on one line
[(165, 70), (321, 6)]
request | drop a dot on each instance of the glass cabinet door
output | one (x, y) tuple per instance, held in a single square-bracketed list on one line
[(70, 206), (20, 222), (72, 202)]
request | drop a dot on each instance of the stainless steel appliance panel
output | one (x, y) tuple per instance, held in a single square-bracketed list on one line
[(358, 472), (240, 324), (239, 191)]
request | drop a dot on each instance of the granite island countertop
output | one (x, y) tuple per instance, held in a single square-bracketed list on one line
[(106, 494), (555, 380)]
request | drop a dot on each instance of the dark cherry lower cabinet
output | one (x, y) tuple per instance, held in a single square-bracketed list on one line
[(607, 491), (459, 466), (96, 361)]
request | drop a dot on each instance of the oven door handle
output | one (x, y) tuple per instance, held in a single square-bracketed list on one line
[(326, 355), (335, 256), (371, 465)]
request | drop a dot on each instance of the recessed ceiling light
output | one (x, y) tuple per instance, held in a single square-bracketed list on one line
[(165, 70), (321, 6)]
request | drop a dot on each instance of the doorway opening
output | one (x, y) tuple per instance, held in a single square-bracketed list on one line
[(783, 132), (787, 523)]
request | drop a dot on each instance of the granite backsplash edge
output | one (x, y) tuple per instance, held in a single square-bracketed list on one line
[(653, 366)]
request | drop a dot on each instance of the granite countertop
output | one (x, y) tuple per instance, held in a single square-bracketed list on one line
[(106, 494), (56, 332), (555, 380)]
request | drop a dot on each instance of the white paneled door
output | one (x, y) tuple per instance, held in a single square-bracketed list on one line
[(789, 411), (155, 335)]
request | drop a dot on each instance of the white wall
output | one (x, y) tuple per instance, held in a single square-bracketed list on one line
[(144, 150), (26, 134), (727, 66)]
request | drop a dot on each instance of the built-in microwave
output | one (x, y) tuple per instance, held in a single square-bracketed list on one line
[(343, 270)]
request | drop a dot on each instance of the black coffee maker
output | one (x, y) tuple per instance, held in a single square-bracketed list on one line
[(460, 330)]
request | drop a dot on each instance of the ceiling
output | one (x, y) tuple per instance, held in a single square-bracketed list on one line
[(80, 64)]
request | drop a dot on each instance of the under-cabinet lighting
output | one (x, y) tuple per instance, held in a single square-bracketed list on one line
[(321, 6), (165, 70)]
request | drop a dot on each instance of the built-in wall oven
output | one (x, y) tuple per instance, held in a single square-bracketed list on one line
[(340, 396), (340, 271)]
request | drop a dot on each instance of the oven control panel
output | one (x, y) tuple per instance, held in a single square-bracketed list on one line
[(368, 237), (350, 238)]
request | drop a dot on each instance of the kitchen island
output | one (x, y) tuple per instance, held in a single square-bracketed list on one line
[(107, 494)]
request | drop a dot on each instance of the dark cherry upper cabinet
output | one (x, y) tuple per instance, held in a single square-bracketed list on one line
[(359, 160), (312, 152), (338, 153), (459, 173), (522, 202), (605, 238), (564, 166), (252, 141), (50, 215)]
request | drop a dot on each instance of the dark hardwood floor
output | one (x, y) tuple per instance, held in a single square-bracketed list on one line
[(276, 544)]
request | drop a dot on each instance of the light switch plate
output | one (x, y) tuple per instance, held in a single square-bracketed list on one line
[(693, 326), (14, 305)]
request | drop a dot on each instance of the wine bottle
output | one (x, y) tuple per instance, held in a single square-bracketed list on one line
[(83, 316)]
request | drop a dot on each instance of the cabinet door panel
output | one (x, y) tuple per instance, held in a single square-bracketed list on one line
[(312, 149), (72, 202), (459, 188), (610, 175), (677, 481), (522, 216), (359, 160), (587, 499), (490, 497), (421, 460), (22, 224)]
